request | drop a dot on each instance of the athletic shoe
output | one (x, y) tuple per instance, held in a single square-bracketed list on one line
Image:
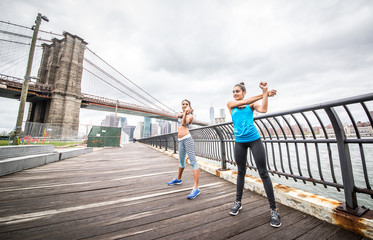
[(175, 181), (235, 209), (193, 194), (275, 219)]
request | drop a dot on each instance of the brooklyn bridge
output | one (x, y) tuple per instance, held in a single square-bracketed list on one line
[(66, 66)]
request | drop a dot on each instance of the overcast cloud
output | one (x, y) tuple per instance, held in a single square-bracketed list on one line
[(310, 51)]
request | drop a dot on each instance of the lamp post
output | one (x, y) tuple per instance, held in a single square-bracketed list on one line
[(116, 110), (27, 78)]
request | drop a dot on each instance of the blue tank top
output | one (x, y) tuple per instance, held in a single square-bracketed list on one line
[(243, 123)]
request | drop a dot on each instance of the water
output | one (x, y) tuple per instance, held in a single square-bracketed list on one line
[(326, 169)]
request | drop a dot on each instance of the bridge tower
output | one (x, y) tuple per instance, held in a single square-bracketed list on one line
[(61, 67)]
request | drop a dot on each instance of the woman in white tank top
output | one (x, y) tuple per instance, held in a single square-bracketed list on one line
[(186, 146)]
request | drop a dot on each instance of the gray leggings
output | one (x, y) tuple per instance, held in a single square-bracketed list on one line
[(186, 146)]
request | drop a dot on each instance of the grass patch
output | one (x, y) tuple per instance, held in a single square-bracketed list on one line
[(4, 142), (55, 143)]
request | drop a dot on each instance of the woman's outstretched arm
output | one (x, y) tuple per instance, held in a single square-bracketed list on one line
[(263, 108), (233, 103)]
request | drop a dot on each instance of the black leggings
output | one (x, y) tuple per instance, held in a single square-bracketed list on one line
[(240, 155)]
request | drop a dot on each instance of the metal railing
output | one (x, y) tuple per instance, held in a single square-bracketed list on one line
[(15, 82), (328, 144)]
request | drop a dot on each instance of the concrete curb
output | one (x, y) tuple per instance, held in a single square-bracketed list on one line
[(315, 205), (34, 156), (24, 150), (17, 164), (64, 154)]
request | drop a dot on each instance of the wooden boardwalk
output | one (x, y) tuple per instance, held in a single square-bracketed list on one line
[(117, 193)]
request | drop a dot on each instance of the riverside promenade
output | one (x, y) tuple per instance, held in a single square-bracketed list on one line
[(122, 193)]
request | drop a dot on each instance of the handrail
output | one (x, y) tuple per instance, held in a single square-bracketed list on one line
[(311, 144)]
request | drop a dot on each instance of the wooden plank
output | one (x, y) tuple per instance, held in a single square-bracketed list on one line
[(295, 230), (202, 195), (186, 222), (126, 201), (131, 216), (344, 234), (322, 231), (265, 229), (123, 193), (250, 216)]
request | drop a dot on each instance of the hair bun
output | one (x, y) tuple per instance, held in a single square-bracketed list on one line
[(242, 83)]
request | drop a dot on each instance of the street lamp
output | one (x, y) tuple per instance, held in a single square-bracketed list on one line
[(27, 78)]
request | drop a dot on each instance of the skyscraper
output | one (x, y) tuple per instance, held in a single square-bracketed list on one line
[(147, 127), (222, 113), (129, 130), (123, 122), (165, 126), (154, 129), (221, 117), (212, 116), (109, 121), (139, 130)]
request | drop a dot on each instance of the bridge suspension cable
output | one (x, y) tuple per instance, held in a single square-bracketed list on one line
[(21, 26), (126, 78), (114, 86), (121, 84), (14, 48), (14, 44)]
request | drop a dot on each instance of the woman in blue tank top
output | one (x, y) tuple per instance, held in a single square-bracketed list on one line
[(247, 136)]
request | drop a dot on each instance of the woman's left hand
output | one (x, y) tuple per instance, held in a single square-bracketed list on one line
[(263, 86), (189, 110), (272, 93)]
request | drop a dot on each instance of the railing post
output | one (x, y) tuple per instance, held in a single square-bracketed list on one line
[(174, 142), (222, 148), (351, 205), (165, 137)]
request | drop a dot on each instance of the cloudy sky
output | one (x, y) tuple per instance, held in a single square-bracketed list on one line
[(310, 51)]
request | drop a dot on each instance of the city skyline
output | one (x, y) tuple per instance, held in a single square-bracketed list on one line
[(364, 128)]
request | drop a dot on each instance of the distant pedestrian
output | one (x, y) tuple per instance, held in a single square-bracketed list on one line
[(186, 146), (247, 136)]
